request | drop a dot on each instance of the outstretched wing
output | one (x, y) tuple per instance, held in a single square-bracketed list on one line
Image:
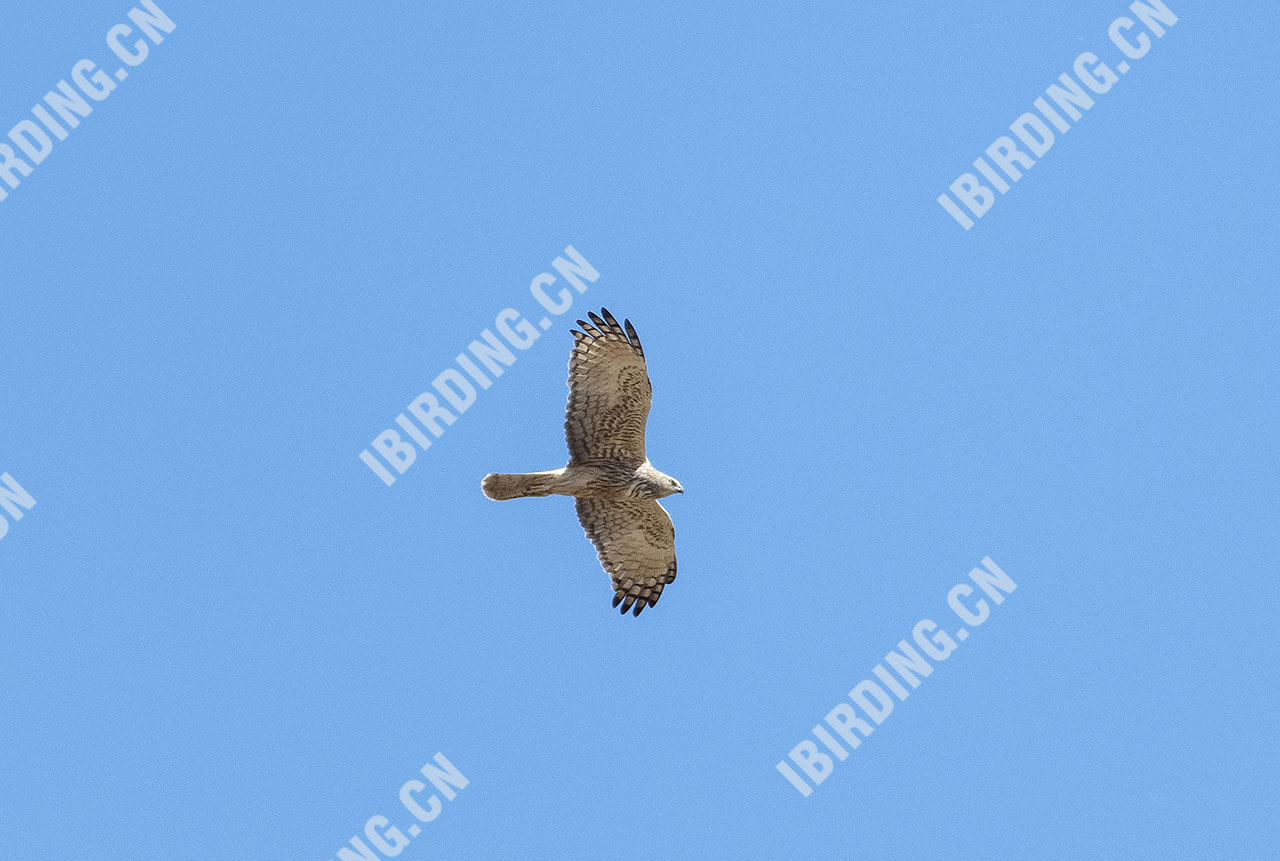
[(636, 544), (609, 392)]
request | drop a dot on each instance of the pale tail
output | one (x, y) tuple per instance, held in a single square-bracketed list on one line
[(503, 485)]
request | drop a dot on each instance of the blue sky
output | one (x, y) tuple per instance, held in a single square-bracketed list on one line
[(223, 637)]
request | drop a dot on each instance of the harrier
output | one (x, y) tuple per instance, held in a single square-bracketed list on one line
[(615, 488)]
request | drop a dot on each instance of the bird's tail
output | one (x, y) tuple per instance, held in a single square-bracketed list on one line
[(505, 485)]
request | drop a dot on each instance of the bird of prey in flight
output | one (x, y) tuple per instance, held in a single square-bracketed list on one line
[(615, 487)]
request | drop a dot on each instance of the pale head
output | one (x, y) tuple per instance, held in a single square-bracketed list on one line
[(648, 483)]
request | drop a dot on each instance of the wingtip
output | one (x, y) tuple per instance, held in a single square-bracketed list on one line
[(632, 336)]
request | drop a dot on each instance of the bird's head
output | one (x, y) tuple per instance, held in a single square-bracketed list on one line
[(651, 484)]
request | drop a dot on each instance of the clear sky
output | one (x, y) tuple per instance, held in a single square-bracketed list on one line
[(222, 636)]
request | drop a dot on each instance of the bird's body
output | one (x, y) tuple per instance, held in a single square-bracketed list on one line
[(616, 488), (601, 479)]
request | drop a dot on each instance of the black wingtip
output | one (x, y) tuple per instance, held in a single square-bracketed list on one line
[(612, 322), (632, 336), (617, 599), (640, 605)]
